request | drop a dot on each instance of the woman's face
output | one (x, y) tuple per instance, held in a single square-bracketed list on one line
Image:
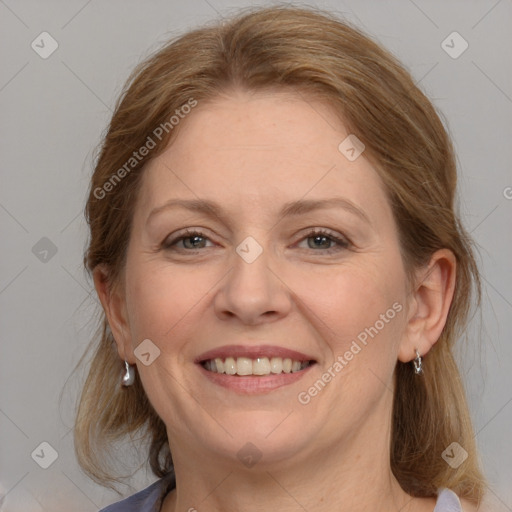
[(297, 258)]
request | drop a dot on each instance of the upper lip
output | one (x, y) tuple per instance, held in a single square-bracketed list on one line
[(253, 352)]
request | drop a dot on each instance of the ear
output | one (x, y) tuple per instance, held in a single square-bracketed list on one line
[(429, 304), (114, 304)]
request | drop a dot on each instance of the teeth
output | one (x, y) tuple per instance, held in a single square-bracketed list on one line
[(259, 366), (276, 365), (244, 366), (229, 366)]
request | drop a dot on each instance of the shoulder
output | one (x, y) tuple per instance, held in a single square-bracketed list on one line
[(468, 506), (147, 500), (448, 501)]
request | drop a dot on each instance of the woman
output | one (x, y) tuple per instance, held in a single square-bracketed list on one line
[(283, 278)]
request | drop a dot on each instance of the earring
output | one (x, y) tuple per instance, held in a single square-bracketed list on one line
[(129, 376), (417, 364)]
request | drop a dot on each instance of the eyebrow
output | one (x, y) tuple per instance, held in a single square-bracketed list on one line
[(293, 208)]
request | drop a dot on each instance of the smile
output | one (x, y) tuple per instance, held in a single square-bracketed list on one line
[(260, 366), (254, 369)]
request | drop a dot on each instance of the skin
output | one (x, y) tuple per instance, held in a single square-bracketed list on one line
[(251, 153)]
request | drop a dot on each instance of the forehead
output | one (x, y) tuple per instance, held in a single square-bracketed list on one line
[(251, 149)]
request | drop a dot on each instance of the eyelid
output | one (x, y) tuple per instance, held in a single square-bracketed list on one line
[(318, 230), (342, 241), (181, 234)]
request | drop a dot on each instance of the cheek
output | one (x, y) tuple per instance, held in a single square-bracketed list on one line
[(161, 300), (362, 302)]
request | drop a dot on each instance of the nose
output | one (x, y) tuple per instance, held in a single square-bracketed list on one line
[(253, 291)]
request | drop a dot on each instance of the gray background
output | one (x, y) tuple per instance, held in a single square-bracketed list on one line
[(53, 112)]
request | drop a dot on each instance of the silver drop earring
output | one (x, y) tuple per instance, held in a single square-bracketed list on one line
[(417, 364), (129, 376)]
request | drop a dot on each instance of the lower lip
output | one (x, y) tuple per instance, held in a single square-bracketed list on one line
[(253, 385)]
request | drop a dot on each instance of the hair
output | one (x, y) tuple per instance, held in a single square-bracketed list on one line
[(314, 54)]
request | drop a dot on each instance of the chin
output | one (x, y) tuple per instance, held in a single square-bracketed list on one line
[(260, 438)]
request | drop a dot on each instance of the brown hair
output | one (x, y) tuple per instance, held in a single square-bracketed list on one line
[(310, 52)]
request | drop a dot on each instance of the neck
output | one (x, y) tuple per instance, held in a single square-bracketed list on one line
[(353, 477)]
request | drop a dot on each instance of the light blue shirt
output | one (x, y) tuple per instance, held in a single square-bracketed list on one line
[(150, 499)]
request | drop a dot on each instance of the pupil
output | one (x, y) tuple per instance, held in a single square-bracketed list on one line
[(194, 239), (320, 237)]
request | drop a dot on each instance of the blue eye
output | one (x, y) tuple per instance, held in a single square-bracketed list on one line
[(193, 236), (194, 240), (321, 236)]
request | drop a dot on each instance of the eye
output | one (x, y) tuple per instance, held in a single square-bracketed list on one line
[(196, 239), (321, 238)]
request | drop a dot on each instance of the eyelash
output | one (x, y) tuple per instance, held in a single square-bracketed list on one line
[(342, 242)]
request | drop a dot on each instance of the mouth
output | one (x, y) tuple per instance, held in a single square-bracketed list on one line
[(260, 366), (253, 370)]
